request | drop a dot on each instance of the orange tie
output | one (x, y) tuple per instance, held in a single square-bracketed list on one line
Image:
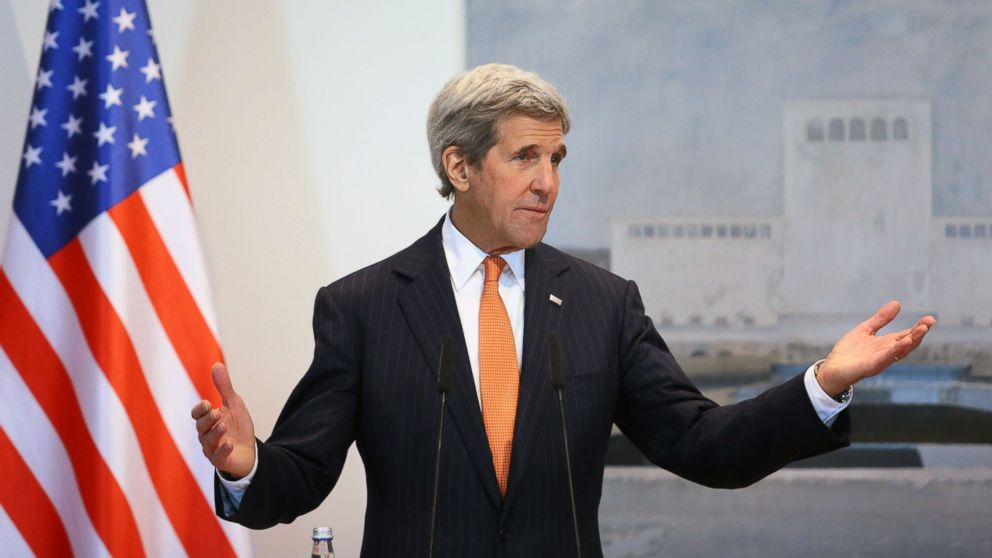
[(499, 373)]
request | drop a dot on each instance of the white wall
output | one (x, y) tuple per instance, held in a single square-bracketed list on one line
[(301, 125)]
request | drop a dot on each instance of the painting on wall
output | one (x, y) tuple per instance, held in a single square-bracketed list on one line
[(785, 167), (770, 173)]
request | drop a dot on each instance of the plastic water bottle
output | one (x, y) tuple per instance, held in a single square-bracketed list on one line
[(323, 543)]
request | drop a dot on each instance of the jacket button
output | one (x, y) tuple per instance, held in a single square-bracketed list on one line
[(504, 534)]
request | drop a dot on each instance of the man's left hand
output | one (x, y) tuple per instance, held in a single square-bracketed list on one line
[(862, 353)]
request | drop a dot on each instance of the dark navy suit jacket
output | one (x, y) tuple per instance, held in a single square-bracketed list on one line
[(373, 382)]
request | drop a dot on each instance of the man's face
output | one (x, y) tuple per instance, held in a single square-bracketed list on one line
[(507, 200)]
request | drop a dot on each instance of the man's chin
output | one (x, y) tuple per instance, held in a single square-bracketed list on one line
[(532, 240), (519, 244)]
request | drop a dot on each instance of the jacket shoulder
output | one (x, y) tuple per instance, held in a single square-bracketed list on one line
[(583, 270)]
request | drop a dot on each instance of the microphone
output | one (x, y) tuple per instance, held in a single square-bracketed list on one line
[(557, 367), (443, 386), (558, 382)]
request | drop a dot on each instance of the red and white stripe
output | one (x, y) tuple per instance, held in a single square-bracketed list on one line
[(104, 348)]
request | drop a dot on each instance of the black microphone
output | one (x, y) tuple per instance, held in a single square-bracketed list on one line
[(558, 382), (443, 385)]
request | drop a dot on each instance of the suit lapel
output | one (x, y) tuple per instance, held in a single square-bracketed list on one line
[(428, 304), (543, 268)]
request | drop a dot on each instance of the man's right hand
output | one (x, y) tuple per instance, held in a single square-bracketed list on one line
[(227, 434)]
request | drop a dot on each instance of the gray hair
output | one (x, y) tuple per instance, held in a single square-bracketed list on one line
[(468, 111)]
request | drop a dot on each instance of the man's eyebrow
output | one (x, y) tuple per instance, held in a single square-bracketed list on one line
[(561, 151)]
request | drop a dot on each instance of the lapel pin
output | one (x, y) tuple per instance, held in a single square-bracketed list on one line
[(555, 300)]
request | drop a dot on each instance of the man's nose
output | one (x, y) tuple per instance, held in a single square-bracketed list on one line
[(544, 179)]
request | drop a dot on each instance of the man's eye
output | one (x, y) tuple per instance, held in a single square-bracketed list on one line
[(520, 157), (555, 160)]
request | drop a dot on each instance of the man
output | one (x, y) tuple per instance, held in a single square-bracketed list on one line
[(482, 276)]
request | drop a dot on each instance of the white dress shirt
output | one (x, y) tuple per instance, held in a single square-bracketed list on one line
[(467, 277)]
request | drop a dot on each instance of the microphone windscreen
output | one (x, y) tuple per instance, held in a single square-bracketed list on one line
[(557, 366), (447, 362)]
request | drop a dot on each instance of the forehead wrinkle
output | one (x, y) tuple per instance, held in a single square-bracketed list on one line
[(537, 133), (554, 140), (540, 133)]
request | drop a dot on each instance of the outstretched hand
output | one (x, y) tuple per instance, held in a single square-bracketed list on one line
[(227, 434), (862, 353)]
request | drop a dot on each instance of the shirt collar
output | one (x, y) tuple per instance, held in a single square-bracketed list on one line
[(465, 258)]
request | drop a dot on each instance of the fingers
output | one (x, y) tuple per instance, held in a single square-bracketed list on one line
[(916, 333), (919, 332), (882, 317), (207, 421), (210, 437), (209, 427), (200, 409), (898, 335), (926, 322), (226, 433), (222, 380), (908, 343), (213, 437), (211, 434)]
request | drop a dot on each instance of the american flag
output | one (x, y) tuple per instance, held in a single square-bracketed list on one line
[(107, 331)]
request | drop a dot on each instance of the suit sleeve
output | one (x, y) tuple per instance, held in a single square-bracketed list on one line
[(300, 463), (680, 430)]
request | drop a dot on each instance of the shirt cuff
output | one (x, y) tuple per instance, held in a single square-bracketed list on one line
[(826, 407), (234, 490)]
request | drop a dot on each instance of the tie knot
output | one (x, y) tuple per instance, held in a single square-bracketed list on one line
[(494, 267)]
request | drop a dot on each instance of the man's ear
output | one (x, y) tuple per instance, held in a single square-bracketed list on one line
[(456, 167)]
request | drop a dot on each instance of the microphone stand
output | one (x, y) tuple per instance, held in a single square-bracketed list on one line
[(558, 382), (443, 385)]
